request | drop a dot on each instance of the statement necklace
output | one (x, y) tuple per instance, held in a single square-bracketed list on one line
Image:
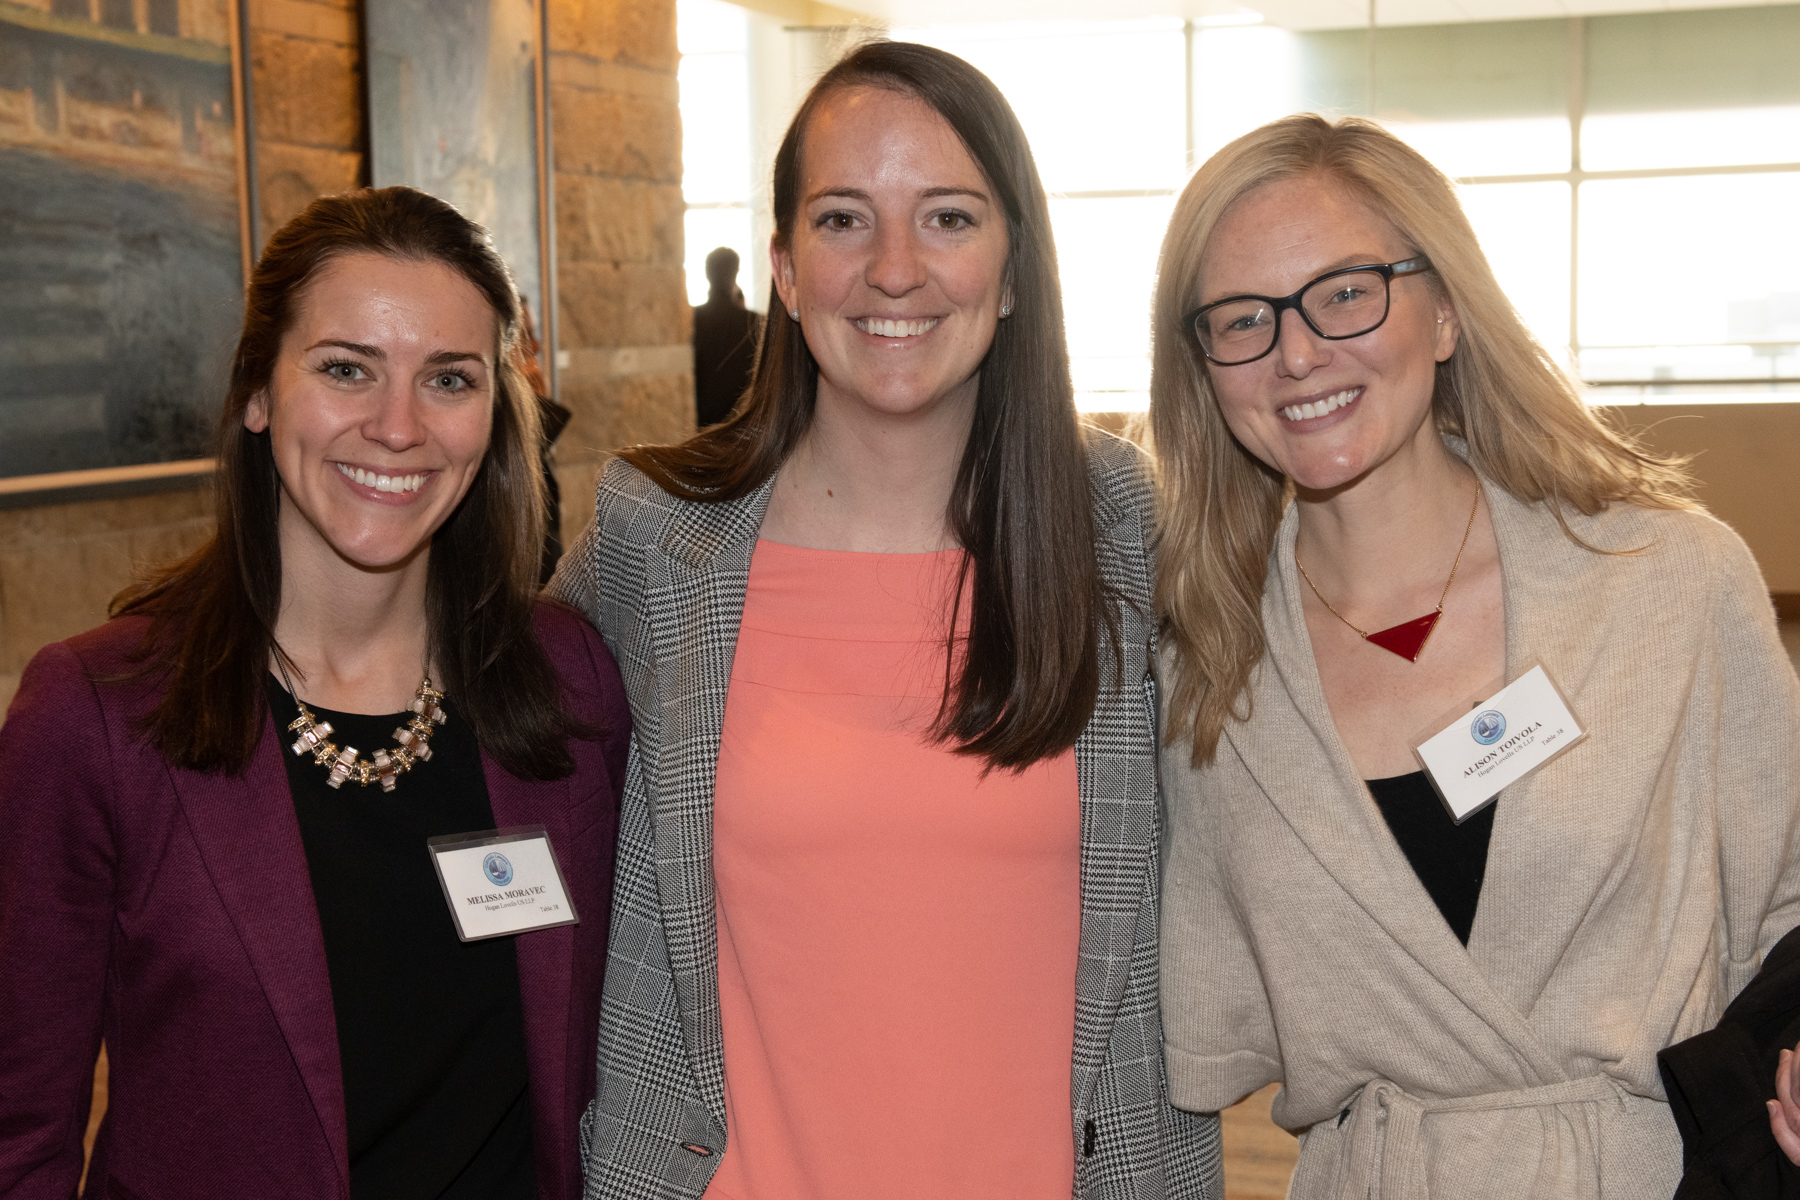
[(1408, 638), (387, 766)]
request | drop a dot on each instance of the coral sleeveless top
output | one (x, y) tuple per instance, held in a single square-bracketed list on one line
[(897, 932)]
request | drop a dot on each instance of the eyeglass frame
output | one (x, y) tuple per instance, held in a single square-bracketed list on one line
[(1417, 264)]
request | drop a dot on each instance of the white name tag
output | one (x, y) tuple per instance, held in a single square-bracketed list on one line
[(502, 881), (1503, 739)]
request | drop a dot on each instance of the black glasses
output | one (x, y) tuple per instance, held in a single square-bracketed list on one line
[(1337, 305)]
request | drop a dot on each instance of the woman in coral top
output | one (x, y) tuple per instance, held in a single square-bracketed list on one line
[(886, 917)]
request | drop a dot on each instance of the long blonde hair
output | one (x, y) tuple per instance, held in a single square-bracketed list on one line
[(1527, 428)]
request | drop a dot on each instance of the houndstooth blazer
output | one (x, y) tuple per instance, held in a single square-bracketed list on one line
[(664, 581)]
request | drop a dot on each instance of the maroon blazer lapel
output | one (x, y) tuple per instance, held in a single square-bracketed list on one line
[(545, 958), (249, 838)]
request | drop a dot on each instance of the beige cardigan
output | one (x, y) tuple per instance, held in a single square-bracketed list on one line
[(1632, 887)]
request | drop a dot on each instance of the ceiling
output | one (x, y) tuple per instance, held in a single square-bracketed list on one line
[(1289, 14)]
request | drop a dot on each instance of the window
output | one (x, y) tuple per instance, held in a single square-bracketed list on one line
[(1627, 176), (1688, 179), (1524, 230), (1690, 278), (1633, 178), (1113, 153), (715, 137)]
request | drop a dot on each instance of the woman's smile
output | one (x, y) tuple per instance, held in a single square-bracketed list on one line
[(1309, 415), (891, 329), (388, 486)]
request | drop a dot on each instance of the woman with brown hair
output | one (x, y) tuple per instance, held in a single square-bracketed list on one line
[(297, 969), (1384, 509), (886, 917)]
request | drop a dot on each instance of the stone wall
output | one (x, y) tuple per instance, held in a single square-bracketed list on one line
[(626, 368), (61, 563), (307, 61)]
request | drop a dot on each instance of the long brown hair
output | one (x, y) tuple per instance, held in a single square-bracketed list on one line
[(1527, 427), (1029, 671), (212, 615)]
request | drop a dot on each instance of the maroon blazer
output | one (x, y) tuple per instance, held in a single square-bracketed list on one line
[(171, 913)]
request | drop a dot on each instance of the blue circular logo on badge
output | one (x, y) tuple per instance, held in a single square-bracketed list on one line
[(1488, 727), (497, 869)]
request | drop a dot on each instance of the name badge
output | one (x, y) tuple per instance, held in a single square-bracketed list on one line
[(1503, 739), (501, 881)]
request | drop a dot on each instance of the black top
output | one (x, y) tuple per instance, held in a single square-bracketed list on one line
[(430, 1029), (1449, 859), (1719, 1081)]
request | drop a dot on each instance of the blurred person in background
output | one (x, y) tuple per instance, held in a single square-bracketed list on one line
[(725, 334)]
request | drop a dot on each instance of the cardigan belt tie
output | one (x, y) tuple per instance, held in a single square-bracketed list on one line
[(1387, 1158)]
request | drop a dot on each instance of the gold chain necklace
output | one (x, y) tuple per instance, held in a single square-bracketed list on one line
[(387, 766), (1408, 638)]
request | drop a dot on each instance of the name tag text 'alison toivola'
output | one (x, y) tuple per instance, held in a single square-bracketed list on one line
[(1503, 739)]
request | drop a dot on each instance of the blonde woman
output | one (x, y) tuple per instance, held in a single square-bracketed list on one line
[(1381, 502)]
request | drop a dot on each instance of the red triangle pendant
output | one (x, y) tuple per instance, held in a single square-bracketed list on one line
[(1407, 639)]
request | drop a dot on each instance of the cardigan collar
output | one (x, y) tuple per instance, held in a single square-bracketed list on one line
[(1316, 787)]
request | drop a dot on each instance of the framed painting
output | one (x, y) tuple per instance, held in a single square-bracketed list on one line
[(122, 237), (457, 109)]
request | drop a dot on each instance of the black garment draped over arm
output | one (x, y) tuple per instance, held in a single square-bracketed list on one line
[(430, 1029), (1719, 1081)]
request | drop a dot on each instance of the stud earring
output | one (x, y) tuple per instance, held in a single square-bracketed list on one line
[(1006, 310), (795, 313)]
